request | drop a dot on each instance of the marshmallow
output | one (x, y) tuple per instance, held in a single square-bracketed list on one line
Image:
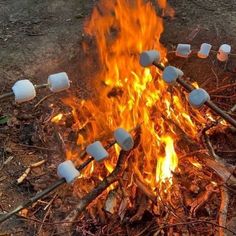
[(24, 91), (198, 97), (204, 50), (148, 57), (171, 74), (223, 52), (97, 151), (124, 139), (183, 50), (58, 82), (68, 171)]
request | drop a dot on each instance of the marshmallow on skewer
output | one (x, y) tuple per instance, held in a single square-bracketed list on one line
[(183, 50), (171, 74), (204, 50), (124, 139), (68, 171), (198, 97), (148, 57), (58, 82), (24, 91), (223, 52), (97, 151)]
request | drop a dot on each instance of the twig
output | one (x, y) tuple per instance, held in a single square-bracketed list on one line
[(162, 227), (144, 188), (223, 210), (215, 123), (196, 222), (27, 171), (37, 147), (48, 208), (222, 87), (201, 199), (208, 145), (217, 78), (6, 95), (43, 99)]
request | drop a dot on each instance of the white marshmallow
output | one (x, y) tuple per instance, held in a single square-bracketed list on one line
[(68, 171), (97, 151), (24, 91), (223, 52), (148, 57), (198, 97), (124, 139), (171, 73), (58, 82), (183, 50), (204, 50)]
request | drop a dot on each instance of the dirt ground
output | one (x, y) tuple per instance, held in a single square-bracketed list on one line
[(38, 38)]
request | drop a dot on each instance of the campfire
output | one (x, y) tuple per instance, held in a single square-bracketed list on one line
[(168, 180), (162, 174)]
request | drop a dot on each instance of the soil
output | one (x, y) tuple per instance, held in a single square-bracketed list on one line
[(38, 38)]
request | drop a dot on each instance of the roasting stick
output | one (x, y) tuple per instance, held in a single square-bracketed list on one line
[(24, 90), (11, 94), (152, 57), (122, 138)]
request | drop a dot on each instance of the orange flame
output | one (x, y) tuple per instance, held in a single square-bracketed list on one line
[(123, 29)]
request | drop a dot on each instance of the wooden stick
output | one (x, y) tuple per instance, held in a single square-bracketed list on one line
[(188, 87), (223, 211), (114, 176), (221, 171), (11, 94)]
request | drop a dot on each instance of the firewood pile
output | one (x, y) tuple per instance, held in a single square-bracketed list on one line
[(151, 152)]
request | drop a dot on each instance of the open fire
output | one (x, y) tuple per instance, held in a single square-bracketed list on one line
[(128, 95), (142, 160)]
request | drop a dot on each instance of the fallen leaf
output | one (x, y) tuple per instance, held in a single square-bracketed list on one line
[(4, 120)]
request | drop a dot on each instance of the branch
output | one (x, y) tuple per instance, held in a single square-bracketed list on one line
[(114, 176), (223, 210)]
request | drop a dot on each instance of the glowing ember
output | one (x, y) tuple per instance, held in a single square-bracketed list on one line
[(57, 118), (196, 164), (123, 29)]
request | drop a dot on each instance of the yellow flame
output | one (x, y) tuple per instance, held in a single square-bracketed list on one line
[(57, 118), (196, 164), (166, 165)]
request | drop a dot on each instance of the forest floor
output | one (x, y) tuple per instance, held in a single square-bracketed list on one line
[(38, 38)]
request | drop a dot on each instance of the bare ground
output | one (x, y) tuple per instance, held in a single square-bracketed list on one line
[(38, 38)]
